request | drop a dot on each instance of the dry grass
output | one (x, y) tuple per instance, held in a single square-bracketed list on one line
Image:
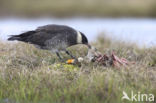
[(65, 8), (29, 75)]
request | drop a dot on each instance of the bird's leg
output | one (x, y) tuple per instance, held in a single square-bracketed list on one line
[(57, 53), (68, 53)]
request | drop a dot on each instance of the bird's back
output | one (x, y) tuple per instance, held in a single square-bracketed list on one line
[(54, 28)]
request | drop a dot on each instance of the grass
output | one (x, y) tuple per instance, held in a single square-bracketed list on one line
[(29, 75), (89, 8)]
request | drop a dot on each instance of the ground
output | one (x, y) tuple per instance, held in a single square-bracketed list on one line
[(30, 75)]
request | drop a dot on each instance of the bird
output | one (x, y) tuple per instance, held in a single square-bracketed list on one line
[(53, 37)]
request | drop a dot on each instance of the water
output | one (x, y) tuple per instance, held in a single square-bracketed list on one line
[(140, 31)]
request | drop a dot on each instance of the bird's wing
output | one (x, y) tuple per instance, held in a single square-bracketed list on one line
[(39, 38)]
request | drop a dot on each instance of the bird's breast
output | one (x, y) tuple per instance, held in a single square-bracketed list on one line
[(56, 44)]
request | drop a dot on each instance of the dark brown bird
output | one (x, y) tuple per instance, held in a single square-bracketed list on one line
[(55, 38)]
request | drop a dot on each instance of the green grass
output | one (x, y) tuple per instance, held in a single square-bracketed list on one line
[(29, 75), (88, 8)]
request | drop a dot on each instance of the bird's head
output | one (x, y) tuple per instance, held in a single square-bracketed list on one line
[(82, 39)]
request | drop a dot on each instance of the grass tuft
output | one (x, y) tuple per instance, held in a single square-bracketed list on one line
[(29, 75)]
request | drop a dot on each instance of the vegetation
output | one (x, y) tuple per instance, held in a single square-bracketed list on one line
[(64, 8), (29, 75)]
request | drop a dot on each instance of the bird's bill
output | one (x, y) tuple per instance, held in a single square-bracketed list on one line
[(89, 46)]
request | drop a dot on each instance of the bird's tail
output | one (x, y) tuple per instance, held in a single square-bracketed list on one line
[(13, 37), (21, 37)]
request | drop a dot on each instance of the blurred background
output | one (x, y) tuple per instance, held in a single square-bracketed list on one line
[(128, 20)]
